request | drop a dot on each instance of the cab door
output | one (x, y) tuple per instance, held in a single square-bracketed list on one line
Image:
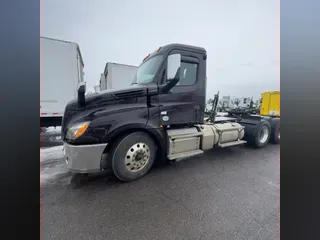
[(184, 104)]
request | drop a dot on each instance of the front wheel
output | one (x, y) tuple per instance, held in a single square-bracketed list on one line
[(133, 156)]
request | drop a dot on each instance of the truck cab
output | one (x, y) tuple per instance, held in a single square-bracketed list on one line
[(151, 102), (161, 116)]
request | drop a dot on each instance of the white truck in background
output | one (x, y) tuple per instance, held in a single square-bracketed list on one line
[(116, 76), (61, 73)]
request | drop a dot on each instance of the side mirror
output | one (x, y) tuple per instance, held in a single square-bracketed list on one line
[(81, 94), (173, 66), (173, 72)]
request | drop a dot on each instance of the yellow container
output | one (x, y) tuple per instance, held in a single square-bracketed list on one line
[(270, 104)]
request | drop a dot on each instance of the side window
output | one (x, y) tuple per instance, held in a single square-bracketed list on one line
[(188, 74)]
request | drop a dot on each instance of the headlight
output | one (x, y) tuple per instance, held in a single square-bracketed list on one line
[(77, 130)]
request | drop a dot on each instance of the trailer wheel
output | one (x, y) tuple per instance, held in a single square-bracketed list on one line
[(275, 129), (133, 156)]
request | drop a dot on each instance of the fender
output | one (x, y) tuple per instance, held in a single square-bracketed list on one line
[(272, 120), (133, 120), (251, 121), (250, 124), (158, 134)]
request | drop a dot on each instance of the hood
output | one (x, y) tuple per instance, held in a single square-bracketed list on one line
[(104, 97), (99, 100), (107, 96)]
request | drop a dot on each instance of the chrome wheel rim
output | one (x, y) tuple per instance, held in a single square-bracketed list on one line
[(137, 157), (264, 134)]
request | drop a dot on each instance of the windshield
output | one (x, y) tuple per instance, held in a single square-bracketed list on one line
[(148, 70)]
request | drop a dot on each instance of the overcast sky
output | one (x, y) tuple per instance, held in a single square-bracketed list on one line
[(242, 37)]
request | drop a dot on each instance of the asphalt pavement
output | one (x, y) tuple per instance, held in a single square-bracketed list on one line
[(225, 194)]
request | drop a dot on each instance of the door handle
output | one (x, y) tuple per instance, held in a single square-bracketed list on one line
[(196, 112)]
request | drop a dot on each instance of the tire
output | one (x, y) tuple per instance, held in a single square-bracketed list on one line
[(132, 156), (258, 136), (275, 131)]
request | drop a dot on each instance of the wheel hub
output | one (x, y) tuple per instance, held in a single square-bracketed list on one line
[(264, 134), (137, 157)]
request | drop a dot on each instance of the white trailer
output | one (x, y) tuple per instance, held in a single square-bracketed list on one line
[(117, 76), (60, 74)]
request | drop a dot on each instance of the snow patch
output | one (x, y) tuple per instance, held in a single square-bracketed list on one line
[(54, 130), (51, 153), (53, 167)]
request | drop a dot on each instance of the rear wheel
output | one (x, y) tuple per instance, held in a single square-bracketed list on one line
[(275, 128), (262, 135), (133, 156), (258, 135)]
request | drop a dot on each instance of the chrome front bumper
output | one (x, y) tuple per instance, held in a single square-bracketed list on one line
[(84, 158)]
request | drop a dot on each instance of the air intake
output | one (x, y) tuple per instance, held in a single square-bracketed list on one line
[(130, 94)]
